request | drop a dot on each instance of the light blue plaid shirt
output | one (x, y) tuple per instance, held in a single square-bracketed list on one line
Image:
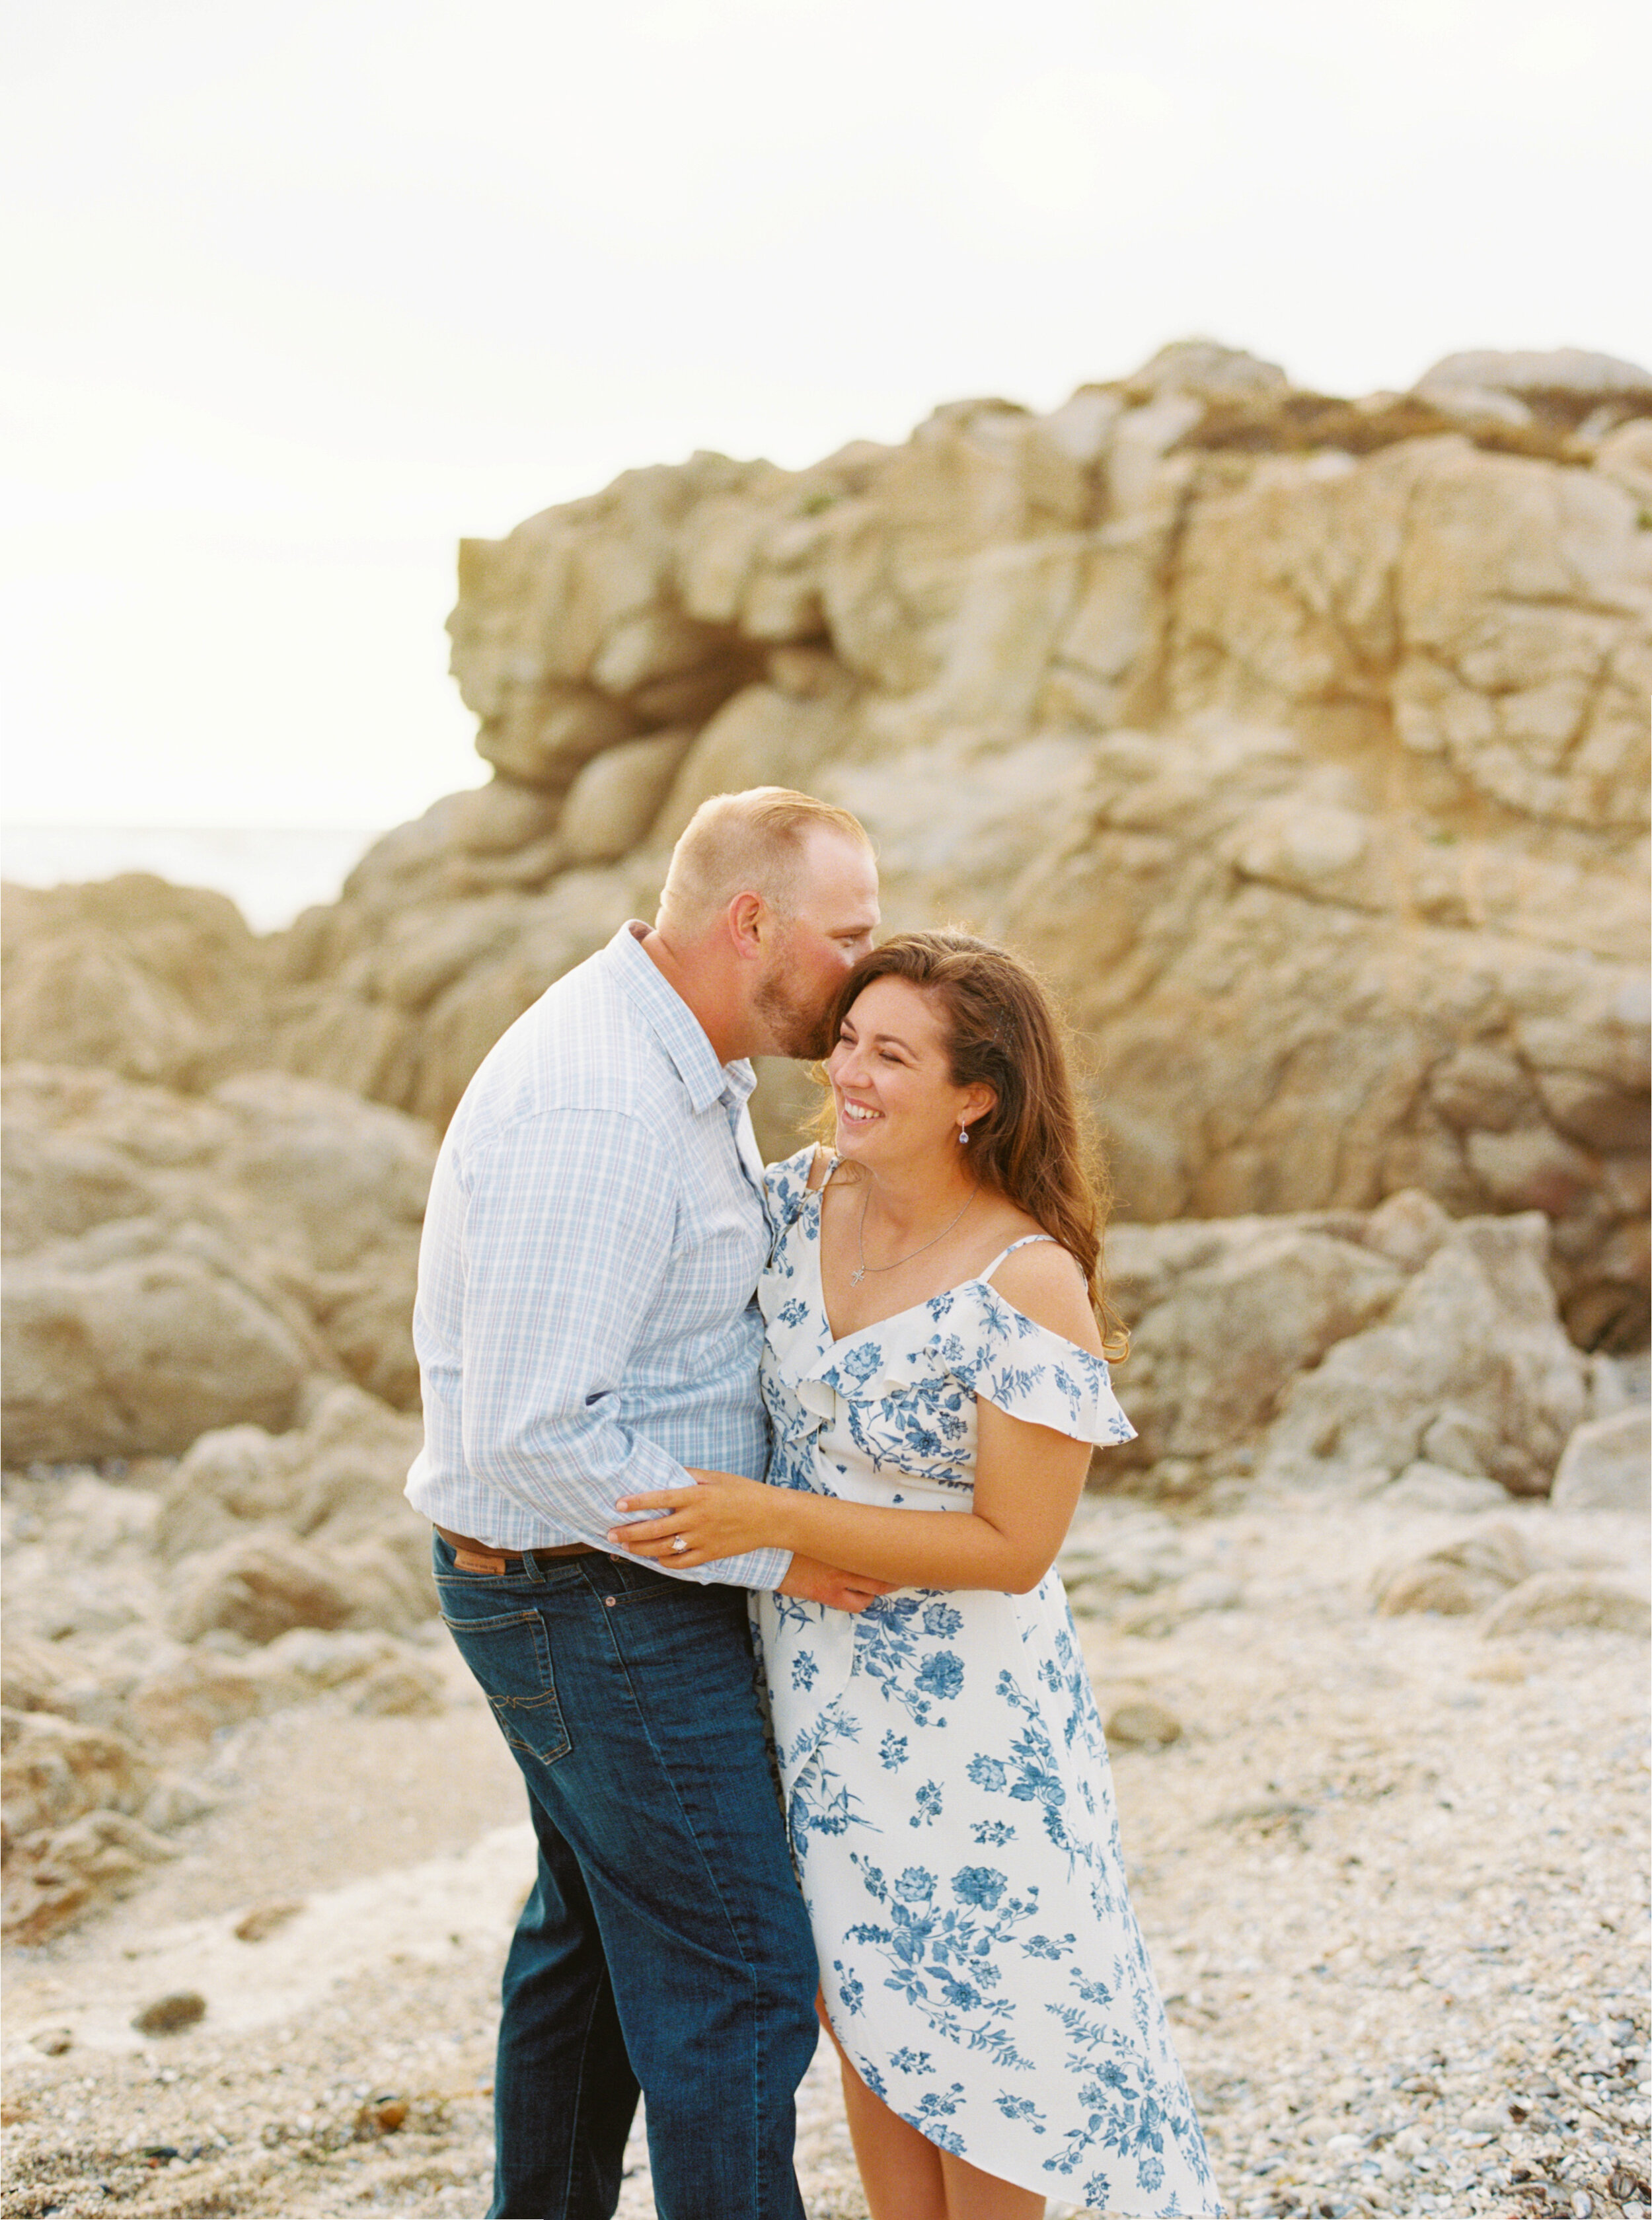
[(586, 1322)]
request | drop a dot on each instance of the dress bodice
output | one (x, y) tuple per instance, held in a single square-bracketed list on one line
[(886, 1415)]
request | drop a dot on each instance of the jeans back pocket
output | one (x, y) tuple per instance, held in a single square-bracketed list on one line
[(509, 1655)]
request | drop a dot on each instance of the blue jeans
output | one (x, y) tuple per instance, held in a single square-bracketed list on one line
[(664, 1944)]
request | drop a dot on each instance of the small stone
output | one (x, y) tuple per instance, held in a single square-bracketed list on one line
[(1571, 1599), (53, 2041), (1606, 1465), (1451, 1590), (171, 2014), (1144, 1724), (264, 1919), (1425, 1486), (380, 2115)]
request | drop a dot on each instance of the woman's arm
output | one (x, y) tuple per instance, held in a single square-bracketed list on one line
[(1028, 1480)]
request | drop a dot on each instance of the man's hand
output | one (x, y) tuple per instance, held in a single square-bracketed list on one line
[(818, 1583)]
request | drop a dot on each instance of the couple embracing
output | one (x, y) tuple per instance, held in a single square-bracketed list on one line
[(738, 1474)]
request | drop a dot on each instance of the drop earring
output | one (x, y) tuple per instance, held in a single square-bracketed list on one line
[(963, 1137)]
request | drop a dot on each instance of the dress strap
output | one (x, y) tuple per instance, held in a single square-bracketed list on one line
[(1011, 1251)]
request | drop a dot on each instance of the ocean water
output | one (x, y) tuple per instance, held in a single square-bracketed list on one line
[(269, 874)]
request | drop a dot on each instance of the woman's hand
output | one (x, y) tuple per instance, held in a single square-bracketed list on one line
[(722, 1516)]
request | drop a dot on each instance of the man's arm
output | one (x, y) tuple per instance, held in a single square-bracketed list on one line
[(568, 1220)]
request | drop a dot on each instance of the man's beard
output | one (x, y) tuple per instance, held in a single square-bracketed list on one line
[(796, 1027)]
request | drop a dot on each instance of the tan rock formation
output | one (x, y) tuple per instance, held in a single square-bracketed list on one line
[(269, 1571), (307, 1528), (177, 1264), (132, 975), (1474, 1333), (1347, 1350), (1301, 741)]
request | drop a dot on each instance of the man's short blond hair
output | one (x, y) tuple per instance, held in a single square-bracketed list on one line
[(750, 842)]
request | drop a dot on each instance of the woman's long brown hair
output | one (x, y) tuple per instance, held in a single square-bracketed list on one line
[(1001, 1031)]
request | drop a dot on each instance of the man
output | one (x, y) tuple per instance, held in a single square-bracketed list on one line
[(586, 1328)]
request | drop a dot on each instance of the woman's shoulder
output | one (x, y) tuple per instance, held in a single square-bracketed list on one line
[(1045, 1282), (1042, 1359)]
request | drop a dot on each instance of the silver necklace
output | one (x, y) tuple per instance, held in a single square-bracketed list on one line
[(863, 1267)]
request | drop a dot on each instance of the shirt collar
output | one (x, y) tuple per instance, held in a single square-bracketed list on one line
[(674, 1024)]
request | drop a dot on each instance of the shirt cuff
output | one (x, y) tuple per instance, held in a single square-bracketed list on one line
[(758, 1569), (763, 1569)]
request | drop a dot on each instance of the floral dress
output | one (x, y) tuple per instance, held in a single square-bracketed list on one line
[(946, 1781)]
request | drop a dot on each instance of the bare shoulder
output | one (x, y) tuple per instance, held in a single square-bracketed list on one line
[(1044, 1282)]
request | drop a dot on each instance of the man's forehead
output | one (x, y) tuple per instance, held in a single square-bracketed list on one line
[(837, 869), (838, 860)]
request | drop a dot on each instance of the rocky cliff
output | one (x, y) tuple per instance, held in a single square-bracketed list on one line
[(1301, 742)]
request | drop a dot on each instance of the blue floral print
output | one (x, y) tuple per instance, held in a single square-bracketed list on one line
[(991, 1984)]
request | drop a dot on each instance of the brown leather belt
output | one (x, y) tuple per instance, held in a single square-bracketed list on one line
[(482, 1557)]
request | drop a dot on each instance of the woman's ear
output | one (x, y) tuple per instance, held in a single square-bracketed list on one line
[(977, 1101)]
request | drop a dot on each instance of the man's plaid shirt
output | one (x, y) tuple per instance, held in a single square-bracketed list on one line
[(586, 1324)]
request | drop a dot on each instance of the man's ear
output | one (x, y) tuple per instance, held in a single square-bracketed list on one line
[(747, 918)]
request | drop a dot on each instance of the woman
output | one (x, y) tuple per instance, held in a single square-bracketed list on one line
[(932, 1348)]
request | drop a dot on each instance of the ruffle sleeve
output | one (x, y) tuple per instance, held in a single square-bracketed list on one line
[(1013, 1362), (967, 1342)]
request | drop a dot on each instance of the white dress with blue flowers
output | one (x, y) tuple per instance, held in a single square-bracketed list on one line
[(945, 1777)]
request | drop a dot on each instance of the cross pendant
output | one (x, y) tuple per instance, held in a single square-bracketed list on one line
[(856, 1276)]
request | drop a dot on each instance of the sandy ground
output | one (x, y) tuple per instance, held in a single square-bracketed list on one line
[(1392, 1874)]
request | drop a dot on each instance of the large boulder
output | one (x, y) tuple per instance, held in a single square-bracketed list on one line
[(180, 1263), (69, 1833), (309, 1528), (134, 1355), (1348, 1349), (1227, 1314), (55, 1770), (1473, 1335), (130, 975)]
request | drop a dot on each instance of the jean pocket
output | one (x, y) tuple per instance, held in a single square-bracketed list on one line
[(510, 1655)]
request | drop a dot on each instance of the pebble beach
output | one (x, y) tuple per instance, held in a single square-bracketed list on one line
[(1392, 1870)]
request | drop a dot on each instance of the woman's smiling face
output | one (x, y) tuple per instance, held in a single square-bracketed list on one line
[(891, 1077)]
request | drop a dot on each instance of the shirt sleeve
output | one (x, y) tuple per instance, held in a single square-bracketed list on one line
[(553, 1304)]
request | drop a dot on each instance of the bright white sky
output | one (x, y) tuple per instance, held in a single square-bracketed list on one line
[(298, 292)]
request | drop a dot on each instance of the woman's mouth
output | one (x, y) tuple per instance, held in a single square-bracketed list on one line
[(857, 1113)]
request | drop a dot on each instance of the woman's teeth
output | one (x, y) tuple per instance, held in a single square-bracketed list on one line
[(858, 1116)]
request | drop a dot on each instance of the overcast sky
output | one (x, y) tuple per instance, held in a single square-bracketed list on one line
[(295, 295)]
